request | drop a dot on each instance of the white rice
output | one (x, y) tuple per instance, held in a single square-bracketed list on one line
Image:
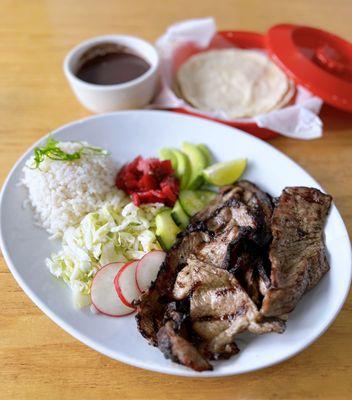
[(63, 192)]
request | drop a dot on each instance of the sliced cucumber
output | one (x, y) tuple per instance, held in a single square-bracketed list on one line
[(206, 152), (179, 215), (183, 169), (193, 201), (198, 163), (168, 154), (197, 182), (166, 229)]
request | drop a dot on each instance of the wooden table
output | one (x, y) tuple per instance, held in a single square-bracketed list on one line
[(38, 360)]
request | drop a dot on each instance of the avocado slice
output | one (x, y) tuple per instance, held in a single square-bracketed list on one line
[(198, 163), (206, 152), (183, 170), (168, 154)]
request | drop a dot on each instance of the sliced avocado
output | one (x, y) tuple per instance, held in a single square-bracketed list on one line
[(193, 201), (206, 152), (198, 163), (183, 170), (168, 154), (166, 229), (179, 215)]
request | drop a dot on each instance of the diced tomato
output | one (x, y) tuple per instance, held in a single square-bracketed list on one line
[(149, 181), (136, 199), (169, 194), (156, 167), (150, 196), (172, 182), (164, 169), (133, 166), (170, 188), (146, 166)]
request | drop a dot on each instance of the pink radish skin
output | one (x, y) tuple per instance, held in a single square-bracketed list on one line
[(148, 268), (103, 294), (125, 284)]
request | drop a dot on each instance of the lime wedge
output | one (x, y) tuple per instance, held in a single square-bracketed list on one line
[(225, 173)]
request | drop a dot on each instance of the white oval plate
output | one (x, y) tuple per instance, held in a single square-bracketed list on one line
[(125, 135)]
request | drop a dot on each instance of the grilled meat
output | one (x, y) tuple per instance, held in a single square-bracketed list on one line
[(174, 344), (220, 279), (152, 306), (211, 239), (297, 253), (219, 307), (180, 350), (247, 196)]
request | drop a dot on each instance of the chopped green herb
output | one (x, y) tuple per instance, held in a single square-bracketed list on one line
[(52, 151)]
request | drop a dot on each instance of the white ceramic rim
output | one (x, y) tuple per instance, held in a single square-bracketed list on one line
[(135, 43), (91, 343)]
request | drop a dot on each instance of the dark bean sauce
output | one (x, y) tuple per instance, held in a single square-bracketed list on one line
[(110, 64)]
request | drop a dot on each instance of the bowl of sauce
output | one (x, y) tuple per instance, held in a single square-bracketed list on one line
[(113, 72)]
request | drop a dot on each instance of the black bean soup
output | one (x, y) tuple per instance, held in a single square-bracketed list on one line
[(110, 64)]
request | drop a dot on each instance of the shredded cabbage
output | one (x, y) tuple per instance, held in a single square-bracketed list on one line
[(118, 231)]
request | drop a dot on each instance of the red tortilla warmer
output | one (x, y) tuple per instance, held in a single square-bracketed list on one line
[(315, 59)]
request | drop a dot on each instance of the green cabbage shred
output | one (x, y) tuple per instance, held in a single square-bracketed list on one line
[(118, 231)]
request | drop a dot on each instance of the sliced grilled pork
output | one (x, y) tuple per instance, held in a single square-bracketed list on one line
[(211, 240), (229, 226), (240, 213), (297, 253), (218, 275), (180, 350), (152, 306), (174, 344), (264, 280), (244, 193), (219, 307), (250, 281), (255, 197)]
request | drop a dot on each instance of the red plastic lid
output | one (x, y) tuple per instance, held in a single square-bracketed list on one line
[(315, 59)]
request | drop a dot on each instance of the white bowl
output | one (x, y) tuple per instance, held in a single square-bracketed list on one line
[(136, 93)]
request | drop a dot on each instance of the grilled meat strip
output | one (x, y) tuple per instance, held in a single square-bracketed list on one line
[(211, 239), (250, 263), (173, 341), (244, 192), (297, 253), (219, 308), (151, 308), (220, 278)]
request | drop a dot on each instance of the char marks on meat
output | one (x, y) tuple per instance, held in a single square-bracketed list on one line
[(219, 307), (152, 306), (297, 253), (230, 271), (173, 340)]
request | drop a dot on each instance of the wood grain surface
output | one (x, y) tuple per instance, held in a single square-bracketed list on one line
[(38, 360)]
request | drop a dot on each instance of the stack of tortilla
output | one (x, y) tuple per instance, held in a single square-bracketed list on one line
[(234, 83)]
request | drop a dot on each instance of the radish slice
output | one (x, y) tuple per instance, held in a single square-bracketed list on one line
[(125, 284), (103, 293), (148, 268)]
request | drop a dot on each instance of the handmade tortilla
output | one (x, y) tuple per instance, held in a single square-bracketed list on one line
[(232, 82), (287, 97)]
